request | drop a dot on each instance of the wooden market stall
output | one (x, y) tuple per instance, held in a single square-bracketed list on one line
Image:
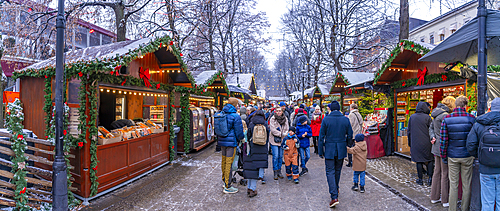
[(126, 88), (321, 92), (414, 81), (344, 79)]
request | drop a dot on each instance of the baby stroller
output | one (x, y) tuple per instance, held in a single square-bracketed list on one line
[(237, 166)]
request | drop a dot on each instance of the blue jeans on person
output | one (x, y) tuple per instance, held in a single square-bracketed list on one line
[(277, 157), (305, 154), (490, 191), (361, 176), (333, 168), (252, 183)]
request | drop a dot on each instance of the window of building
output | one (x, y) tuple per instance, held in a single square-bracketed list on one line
[(95, 38), (441, 37), (81, 37), (431, 39)]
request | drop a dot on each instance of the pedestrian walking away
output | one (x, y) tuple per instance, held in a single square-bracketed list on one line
[(332, 146), (257, 158), (356, 121), (419, 127), (440, 188), (290, 145), (454, 130), (316, 119), (230, 142), (482, 138), (359, 152), (278, 125)]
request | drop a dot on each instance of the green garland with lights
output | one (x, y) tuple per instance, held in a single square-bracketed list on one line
[(185, 122), (428, 79), (171, 126), (472, 96), (340, 75), (403, 45)]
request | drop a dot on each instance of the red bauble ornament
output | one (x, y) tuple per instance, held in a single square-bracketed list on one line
[(392, 54), (444, 77), (46, 76), (172, 106), (95, 168), (80, 144), (181, 54), (158, 86), (172, 146), (65, 132), (80, 74), (400, 44), (23, 191), (20, 136), (412, 45), (46, 136), (171, 43), (8, 113)]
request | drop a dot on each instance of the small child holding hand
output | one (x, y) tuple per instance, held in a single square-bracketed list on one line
[(359, 153), (290, 144)]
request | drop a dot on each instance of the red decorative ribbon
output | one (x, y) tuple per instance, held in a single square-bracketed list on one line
[(444, 77), (144, 75), (158, 86), (420, 76), (125, 81), (404, 83)]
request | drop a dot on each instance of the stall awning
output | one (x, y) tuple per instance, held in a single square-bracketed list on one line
[(213, 80), (344, 79)]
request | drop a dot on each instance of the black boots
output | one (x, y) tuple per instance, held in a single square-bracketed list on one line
[(279, 174), (275, 175), (355, 187)]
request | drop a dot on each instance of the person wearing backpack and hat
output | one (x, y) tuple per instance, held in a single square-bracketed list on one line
[(230, 142), (483, 143), (256, 160), (304, 132)]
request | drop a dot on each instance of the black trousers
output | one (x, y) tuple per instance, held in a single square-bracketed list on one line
[(315, 142), (349, 156), (420, 169)]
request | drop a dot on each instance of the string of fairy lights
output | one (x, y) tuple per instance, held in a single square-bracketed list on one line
[(139, 93)]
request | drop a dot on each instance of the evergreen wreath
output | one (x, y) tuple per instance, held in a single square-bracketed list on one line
[(171, 126)]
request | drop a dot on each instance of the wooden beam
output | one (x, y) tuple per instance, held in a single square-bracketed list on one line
[(34, 140), (35, 158), (12, 186), (398, 65), (170, 65), (34, 149), (30, 169), (29, 179)]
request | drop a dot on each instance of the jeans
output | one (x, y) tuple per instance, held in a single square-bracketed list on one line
[(305, 154), (252, 184), (261, 173), (361, 175), (462, 166), (333, 169), (277, 157), (227, 160), (490, 191)]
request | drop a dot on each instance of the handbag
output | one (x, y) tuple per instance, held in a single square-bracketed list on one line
[(277, 139)]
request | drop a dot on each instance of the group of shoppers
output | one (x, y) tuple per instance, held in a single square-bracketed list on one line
[(447, 142)]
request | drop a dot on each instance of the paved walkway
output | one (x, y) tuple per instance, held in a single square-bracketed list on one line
[(194, 183)]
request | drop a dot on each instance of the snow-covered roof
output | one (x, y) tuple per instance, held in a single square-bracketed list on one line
[(357, 77), (243, 79), (201, 77), (96, 52), (324, 89), (426, 45), (309, 92), (277, 98), (234, 88)]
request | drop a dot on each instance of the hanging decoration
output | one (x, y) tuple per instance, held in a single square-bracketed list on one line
[(428, 79), (472, 96), (144, 75), (403, 45), (420, 76)]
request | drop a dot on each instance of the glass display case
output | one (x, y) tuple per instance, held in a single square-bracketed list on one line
[(156, 114), (120, 107)]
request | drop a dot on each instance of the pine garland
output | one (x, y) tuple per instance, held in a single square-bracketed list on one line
[(403, 45), (15, 117), (428, 79), (472, 95), (340, 75), (171, 126), (185, 122)]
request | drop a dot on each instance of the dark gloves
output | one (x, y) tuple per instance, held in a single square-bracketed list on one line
[(445, 160)]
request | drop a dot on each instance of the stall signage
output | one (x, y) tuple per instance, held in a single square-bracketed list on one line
[(9, 97)]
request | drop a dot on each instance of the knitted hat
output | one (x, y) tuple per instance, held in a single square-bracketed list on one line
[(302, 106), (233, 101), (335, 106), (302, 119), (359, 137), (495, 104), (282, 104), (314, 105), (291, 128)]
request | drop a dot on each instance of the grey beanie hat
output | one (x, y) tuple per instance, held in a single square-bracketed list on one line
[(495, 104)]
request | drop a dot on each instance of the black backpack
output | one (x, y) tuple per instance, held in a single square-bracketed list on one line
[(489, 146)]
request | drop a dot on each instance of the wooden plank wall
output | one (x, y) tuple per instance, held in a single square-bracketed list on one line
[(149, 61), (32, 97)]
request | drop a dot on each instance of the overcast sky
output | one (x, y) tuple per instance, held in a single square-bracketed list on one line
[(421, 9)]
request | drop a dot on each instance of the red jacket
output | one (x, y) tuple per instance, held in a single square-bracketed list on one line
[(316, 124)]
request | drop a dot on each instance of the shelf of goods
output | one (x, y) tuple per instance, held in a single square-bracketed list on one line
[(157, 114)]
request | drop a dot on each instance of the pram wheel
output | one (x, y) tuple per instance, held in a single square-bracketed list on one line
[(243, 182)]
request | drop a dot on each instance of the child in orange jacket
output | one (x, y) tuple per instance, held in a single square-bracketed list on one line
[(290, 144)]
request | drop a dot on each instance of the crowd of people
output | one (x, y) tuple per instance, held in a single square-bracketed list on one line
[(443, 144), (287, 132)]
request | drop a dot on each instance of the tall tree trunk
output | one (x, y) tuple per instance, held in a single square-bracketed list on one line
[(121, 22), (171, 20), (232, 52), (404, 20), (210, 36)]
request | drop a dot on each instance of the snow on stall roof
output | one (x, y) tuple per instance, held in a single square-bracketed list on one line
[(425, 45), (278, 98), (201, 77), (324, 88), (235, 88), (357, 77), (309, 91), (244, 79), (92, 53)]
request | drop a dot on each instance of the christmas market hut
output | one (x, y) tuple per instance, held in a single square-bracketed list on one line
[(349, 95), (212, 90), (120, 96), (413, 81), (320, 92), (242, 80), (242, 94)]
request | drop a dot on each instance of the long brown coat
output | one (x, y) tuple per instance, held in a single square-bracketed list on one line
[(358, 152)]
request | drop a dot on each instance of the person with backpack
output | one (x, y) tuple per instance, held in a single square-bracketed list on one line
[(356, 121), (279, 129), (257, 158), (229, 130), (483, 143), (454, 131), (304, 132)]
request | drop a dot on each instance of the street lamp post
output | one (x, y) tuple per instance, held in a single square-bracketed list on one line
[(59, 175), (303, 73)]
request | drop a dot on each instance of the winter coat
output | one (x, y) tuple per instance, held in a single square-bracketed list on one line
[(359, 152), (301, 130), (438, 114), (418, 134), (258, 155), (292, 152), (292, 118), (333, 135), (316, 123), (281, 133), (235, 128), (474, 138), (356, 121), (458, 128), (297, 117)]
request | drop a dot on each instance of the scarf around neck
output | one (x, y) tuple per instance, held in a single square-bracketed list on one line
[(281, 119)]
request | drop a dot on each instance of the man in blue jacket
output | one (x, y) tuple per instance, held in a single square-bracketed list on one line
[(229, 143), (332, 145)]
